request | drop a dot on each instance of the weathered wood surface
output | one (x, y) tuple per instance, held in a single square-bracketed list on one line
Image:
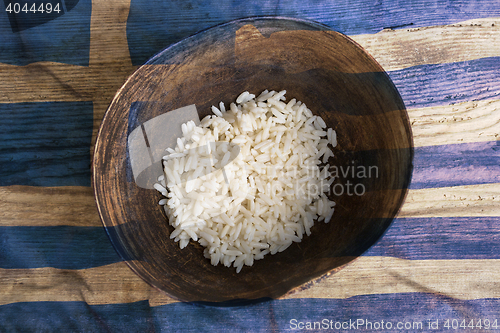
[(441, 252)]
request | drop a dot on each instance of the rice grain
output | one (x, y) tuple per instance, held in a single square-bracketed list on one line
[(264, 199)]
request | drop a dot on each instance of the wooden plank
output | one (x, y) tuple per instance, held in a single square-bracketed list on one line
[(408, 312), (62, 247), (45, 81), (65, 247), (463, 279), (473, 121), (457, 42), (460, 279), (456, 165), (48, 206), (108, 34), (348, 17), (438, 238), (75, 206), (405, 312), (470, 200), (77, 316), (448, 83), (54, 81), (109, 66), (111, 284), (110, 59), (45, 144), (109, 55)]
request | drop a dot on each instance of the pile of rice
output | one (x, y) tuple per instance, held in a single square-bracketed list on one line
[(263, 200)]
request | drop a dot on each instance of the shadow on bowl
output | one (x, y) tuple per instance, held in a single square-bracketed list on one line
[(324, 69)]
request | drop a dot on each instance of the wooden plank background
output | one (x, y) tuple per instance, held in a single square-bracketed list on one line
[(439, 260)]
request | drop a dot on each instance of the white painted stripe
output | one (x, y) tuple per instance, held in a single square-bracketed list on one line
[(48, 206), (476, 121), (469, 200), (403, 48), (461, 279), (74, 206), (116, 283), (110, 284)]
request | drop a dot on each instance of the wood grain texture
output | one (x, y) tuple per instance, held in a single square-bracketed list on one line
[(62, 82), (440, 238), (109, 62), (110, 284), (109, 55), (48, 206), (448, 83), (45, 81), (348, 17), (77, 316), (75, 206), (461, 279), (45, 144), (457, 42), (418, 238), (109, 66), (470, 200), (464, 279), (413, 309), (108, 41), (110, 59), (472, 121), (461, 164), (63, 247)]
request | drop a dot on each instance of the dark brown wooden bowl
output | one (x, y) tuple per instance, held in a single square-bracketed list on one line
[(326, 70)]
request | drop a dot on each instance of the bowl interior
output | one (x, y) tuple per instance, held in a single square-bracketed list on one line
[(327, 71)]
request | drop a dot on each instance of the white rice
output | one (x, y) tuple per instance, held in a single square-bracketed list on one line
[(263, 200)]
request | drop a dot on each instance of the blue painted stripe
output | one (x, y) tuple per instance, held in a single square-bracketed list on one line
[(407, 238), (154, 25), (456, 165), (444, 84), (434, 238), (45, 144), (433, 166), (59, 247), (279, 315), (76, 317), (363, 313), (60, 37)]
